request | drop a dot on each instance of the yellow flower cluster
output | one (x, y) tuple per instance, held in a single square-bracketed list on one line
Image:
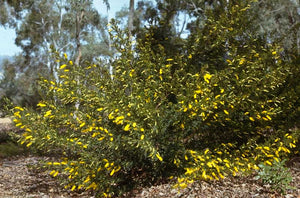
[(74, 168), (217, 164)]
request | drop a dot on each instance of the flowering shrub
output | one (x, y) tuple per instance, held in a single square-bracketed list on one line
[(146, 116)]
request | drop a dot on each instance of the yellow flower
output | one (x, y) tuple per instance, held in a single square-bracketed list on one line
[(207, 77), (55, 174), (56, 163), (119, 119), (63, 66), (159, 157), (52, 172), (235, 168), (222, 176), (198, 91), (17, 114), (110, 116), (169, 59), (131, 73), (41, 105), (127, 127), (160, 71), (112, 172), (206, 151), (73, 188), (242, 61), (226, 112), (19, 124), (65, 55), (182, 126), (204, 174), (266, 148), (252, 119), (236, 76), (19, 108), (101, 138), (183, 185), (48, 113), (268, 162), (142, 137), (29, 144)]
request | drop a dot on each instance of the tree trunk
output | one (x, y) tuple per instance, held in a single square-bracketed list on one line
[(79, 17), (77, 37), (130, 17)]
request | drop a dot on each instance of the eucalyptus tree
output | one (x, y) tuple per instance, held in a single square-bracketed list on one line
[(280, 20), (68, 26), (130, 16)]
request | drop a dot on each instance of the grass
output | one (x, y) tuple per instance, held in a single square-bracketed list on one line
[(9, 146)]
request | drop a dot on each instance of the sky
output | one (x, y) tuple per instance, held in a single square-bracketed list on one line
[(7, 36)]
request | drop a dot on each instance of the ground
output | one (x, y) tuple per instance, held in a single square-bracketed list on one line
[(20, 177)]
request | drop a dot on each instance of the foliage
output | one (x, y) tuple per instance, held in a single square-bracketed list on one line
[(211, 110), (67, 25), (20, 86), (277, 176), (11, 148), (6, 106)]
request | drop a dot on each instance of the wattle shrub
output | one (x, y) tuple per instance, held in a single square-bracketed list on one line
[(145, 116)]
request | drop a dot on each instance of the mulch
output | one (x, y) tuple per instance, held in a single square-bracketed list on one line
[(20, 178)]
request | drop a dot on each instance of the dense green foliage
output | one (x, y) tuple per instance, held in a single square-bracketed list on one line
[(218, 106)]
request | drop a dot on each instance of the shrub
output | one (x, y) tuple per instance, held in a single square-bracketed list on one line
[(277, 176), (146, 116)]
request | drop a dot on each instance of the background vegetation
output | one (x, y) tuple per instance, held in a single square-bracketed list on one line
[(133, 103)]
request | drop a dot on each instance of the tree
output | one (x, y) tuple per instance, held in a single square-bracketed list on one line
[(130, 16), (49, 24), (280, 20)]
